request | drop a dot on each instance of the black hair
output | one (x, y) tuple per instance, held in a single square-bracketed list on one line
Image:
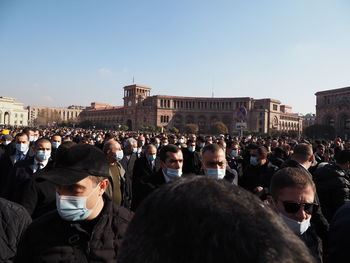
[(200, 220), (167, 148), (343, 156), (290, 177)]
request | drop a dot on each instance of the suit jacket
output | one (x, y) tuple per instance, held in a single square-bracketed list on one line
[(143, 168), (145, 185), (7, 164), (20, 177), (192, 162), (128, 166)]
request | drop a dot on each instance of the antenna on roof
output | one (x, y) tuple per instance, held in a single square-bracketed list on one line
[(212, 88), (133, 80)]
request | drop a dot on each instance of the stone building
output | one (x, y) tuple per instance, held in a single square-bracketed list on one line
[(12, 112), (53, 114), (333, 109), (308, 120), (142, 109)]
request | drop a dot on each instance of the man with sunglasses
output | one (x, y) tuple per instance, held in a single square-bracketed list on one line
[(293, 198)]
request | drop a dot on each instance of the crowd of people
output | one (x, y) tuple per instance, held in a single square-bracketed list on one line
[(79, 195)]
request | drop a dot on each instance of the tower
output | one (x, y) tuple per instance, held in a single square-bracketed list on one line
[(135, 94)]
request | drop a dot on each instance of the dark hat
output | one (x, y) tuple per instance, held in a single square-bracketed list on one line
[(77, 163), (7, 137)]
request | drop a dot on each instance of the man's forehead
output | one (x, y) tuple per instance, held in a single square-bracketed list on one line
[(174, 156), (209, 155), (44, 144), (297, 194)]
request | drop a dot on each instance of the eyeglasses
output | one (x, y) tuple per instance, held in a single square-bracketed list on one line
[(292, 207)]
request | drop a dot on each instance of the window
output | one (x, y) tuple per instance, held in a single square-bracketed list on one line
[(275, 107)]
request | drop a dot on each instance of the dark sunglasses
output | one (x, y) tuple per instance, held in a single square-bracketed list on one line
[(292, 208)]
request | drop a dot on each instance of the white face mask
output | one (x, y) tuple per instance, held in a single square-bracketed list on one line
[(173, 173), (215, 172), (297, 227), (119, 155), (22, 147)]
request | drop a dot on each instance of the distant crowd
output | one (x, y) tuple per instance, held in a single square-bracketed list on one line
[(85, 195)]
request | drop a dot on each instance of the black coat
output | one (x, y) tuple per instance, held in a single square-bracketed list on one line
[(38, 197), (333, 188), (146, 185), (52, 239), (314, 243), (254, 176), (142, 168), (191, 162), (339, 236), (128, 165), (14, 219), (21, 174), (6, 166)]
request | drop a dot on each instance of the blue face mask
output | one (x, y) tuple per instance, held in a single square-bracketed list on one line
[(157, 145), (151, 157), (191, 148), (173, 173), (254, 161), (73, 208), (134, 150), (234, 153), (215, 172), (43, 155), (55, 145)]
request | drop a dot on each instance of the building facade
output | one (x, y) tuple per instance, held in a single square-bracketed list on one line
[(38, 115), (333, 109), (308, 120), (12, 112), (142, 109)]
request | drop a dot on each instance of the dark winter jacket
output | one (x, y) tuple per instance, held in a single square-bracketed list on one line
[(333, 188), (52, 239), (14, 219)]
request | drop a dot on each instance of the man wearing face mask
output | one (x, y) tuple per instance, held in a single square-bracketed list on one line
[(200, 143), (6, 140), (87, 226), (293, 198), (257, 175), (171, 161), (214, 163), (25, 169), (192, 162), (56, 141), (117, 191), (234, 158), (144, 169), (303, 158), (20, 152)]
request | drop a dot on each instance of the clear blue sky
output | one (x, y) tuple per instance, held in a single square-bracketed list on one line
[(58, 53)]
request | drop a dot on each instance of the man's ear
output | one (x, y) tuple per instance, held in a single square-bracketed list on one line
[(104, 185), (263, 156)]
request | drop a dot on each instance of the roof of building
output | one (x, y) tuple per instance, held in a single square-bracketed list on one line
[(345, 89), (137, 85), (201, 98), (105, 108)]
